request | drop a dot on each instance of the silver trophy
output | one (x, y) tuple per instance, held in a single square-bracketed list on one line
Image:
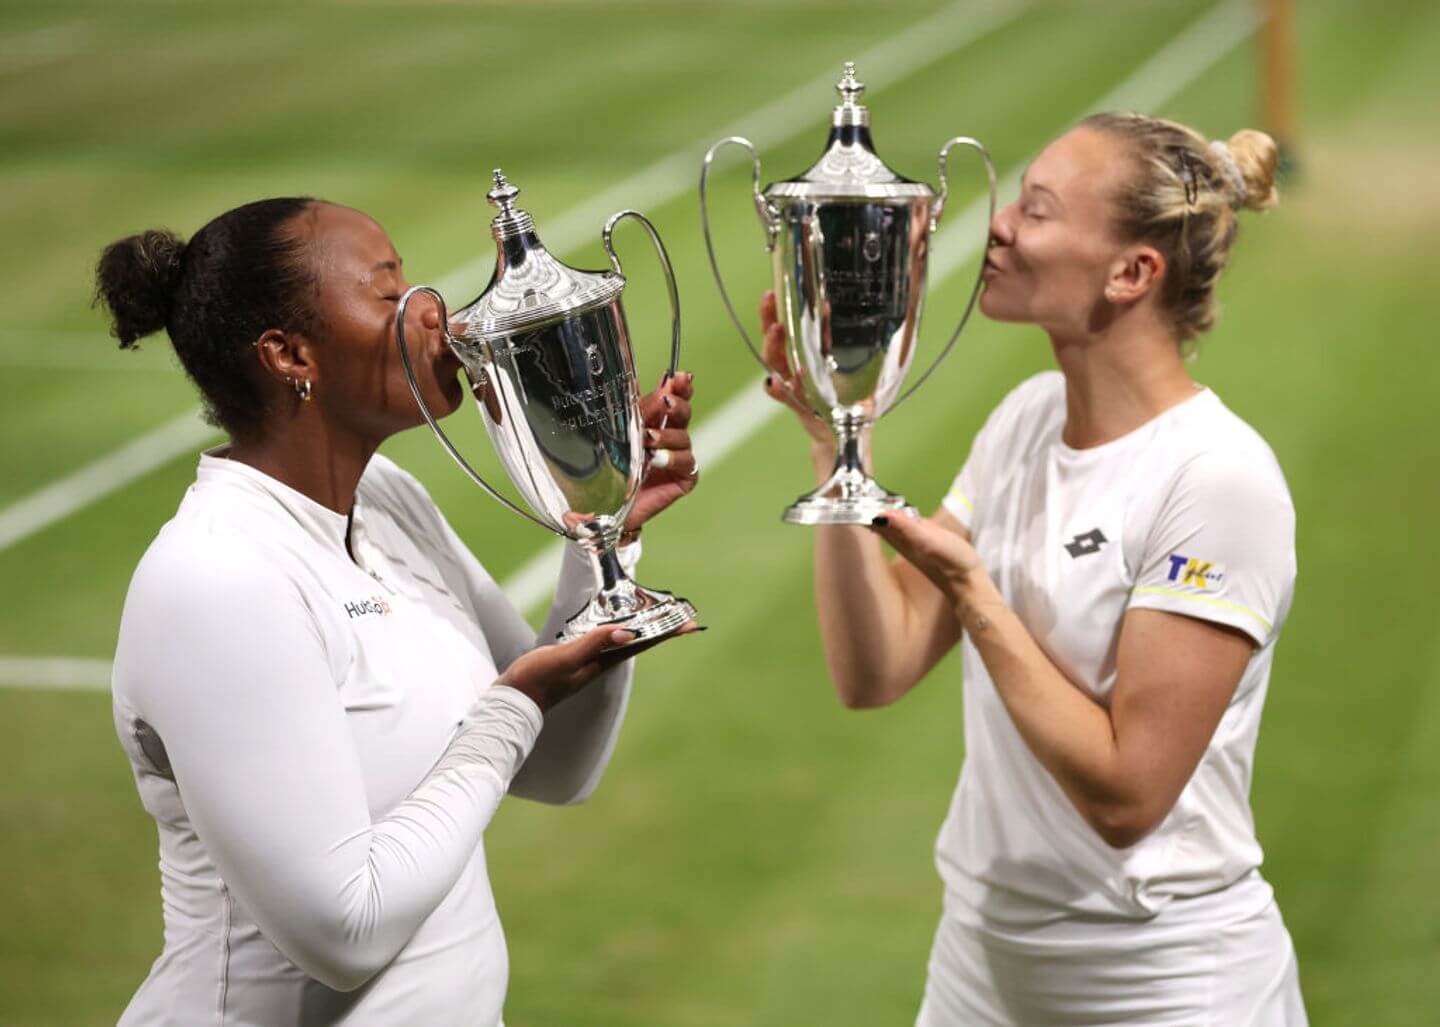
[(547, 352), (849, 240)]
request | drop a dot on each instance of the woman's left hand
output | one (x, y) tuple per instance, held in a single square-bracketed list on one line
[(672, 471), (942, 554)]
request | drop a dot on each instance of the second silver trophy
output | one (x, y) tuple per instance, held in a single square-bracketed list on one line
[(849, 241)]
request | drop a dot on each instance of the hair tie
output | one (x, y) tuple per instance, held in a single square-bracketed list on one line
[(1232, 171), (1188, 179)]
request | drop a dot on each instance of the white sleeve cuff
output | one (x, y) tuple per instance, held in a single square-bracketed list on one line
[(959, 506), (496, 735), (1203, 607)]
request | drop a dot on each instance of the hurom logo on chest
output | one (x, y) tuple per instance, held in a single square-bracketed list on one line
[(371, 607)]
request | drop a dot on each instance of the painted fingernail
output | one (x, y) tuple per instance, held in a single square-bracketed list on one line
[(669, 402), (652, 435), (769, 379), (880, 522)]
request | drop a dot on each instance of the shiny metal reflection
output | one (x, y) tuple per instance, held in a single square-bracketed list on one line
[(547, 350)]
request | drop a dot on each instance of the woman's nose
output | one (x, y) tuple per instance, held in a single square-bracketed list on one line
[(1002, 226)]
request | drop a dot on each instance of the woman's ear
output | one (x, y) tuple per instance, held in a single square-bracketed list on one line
[(1134, 275), (286, 356)]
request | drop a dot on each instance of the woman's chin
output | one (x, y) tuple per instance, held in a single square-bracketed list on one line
[(996, 309), (442, 399), (453, 394)]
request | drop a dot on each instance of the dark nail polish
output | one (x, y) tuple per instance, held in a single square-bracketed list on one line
[(769, 378), (669, 403), (880, 522)]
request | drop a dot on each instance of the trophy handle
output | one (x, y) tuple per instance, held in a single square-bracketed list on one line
[(606, 234), (769, 219), (425, 409), (605, 239), (935, 216)]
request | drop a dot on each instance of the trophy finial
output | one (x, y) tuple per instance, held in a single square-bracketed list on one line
[(503, 195), (850, 111), (510, 220), (850, 88)]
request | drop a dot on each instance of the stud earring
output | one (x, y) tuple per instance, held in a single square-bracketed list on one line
[(303, 388)]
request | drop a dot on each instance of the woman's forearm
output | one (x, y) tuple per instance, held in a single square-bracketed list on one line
[(580, 733), (866, 616), (1070, 733)]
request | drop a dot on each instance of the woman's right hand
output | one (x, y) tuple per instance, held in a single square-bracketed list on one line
[(549, 674), (822, 439)]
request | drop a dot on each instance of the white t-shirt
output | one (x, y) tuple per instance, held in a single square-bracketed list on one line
[(1188, 513), (319, 742)]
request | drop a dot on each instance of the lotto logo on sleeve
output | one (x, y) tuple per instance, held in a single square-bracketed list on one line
[(1202, 574)]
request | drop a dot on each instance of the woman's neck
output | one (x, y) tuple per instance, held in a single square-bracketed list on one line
[(1119, 377), (312, 457)]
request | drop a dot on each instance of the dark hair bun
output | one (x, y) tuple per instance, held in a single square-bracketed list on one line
[(137, 278)]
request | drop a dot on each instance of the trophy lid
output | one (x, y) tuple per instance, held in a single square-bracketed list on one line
[(849, 167), (530, 287)]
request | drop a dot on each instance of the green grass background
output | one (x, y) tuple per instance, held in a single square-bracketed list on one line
[(757, 855)]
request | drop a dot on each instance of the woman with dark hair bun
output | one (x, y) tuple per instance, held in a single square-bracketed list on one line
[(322, 693), (1115, 559)]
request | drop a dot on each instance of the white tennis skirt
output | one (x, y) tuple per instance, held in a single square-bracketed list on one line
[(1188, 967)]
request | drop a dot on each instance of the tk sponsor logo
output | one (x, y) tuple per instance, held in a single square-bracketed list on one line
[(1202, 574)]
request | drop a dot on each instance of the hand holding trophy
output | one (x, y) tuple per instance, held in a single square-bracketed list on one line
[(547, 351), (849, 240)]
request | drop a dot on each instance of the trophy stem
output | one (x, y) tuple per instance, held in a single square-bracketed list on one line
[(620, 602), (849, 495)]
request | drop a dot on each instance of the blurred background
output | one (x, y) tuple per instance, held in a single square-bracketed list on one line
[(757, 854)]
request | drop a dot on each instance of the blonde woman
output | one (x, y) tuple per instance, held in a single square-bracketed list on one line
[(1117, 559)]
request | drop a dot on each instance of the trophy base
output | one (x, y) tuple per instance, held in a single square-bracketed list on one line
[(821, 509), (849, 495), (651, 615)]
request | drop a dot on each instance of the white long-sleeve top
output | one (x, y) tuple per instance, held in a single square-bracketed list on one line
[(316, 730)]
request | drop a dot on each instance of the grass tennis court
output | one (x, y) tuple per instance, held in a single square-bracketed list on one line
[(757, 854)]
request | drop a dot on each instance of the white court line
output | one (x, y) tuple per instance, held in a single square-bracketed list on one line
[(25, 50), (903, 54), (1197, 49), (50, 673), (99, 479)]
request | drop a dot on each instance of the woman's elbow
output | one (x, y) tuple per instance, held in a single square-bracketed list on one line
[(342, 967), (866, 692), (1123, 825), (556, 790), (339, 954), (346, 977), (862, 699)]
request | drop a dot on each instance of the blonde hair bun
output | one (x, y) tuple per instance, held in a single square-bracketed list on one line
[(1256, 158)]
